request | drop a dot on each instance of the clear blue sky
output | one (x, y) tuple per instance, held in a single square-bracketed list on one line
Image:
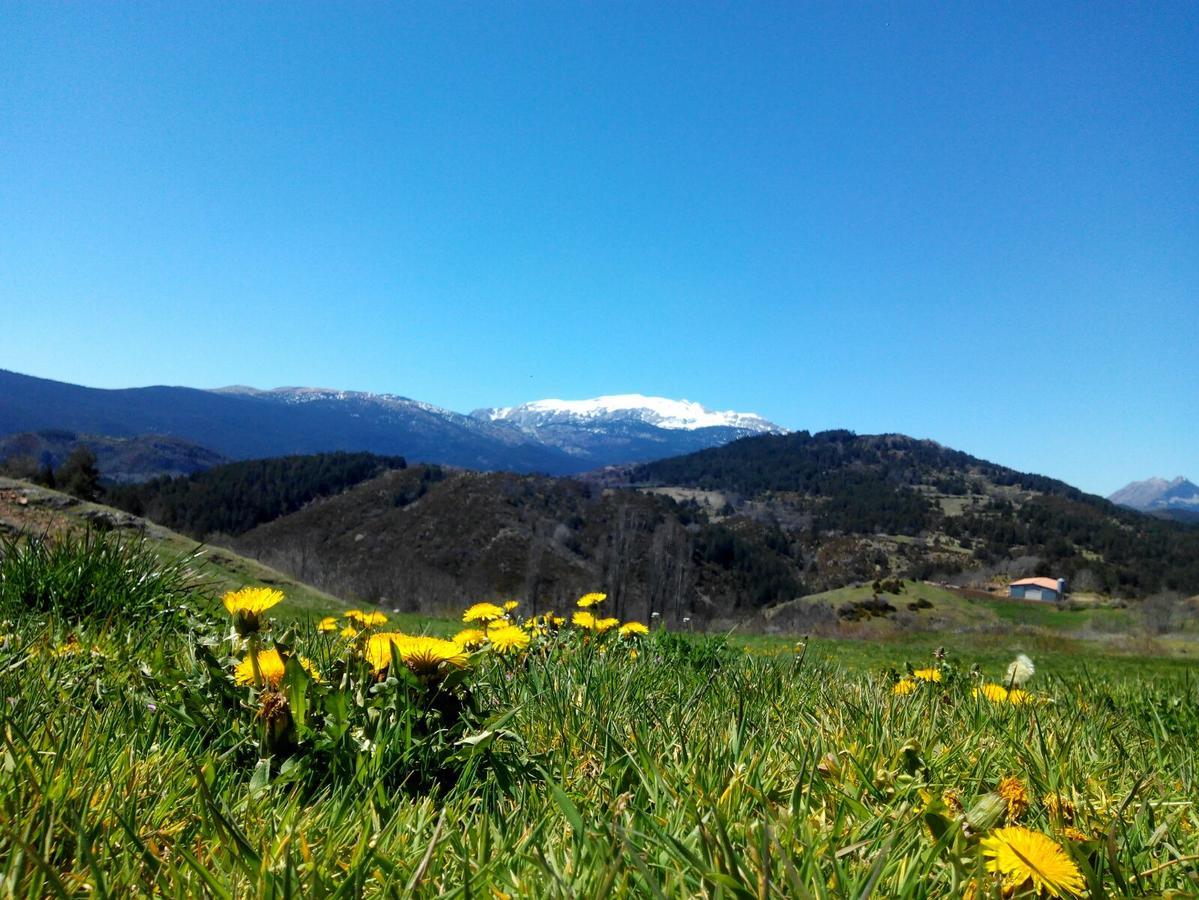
[(975, 222)]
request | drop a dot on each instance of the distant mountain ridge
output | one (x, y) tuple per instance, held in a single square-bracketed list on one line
[(241, 422), (1155, 494), (122, 459)]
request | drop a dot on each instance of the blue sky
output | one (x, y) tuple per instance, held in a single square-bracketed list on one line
[(977, 223)]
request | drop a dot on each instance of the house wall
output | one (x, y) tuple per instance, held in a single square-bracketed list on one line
[(1030, 592)]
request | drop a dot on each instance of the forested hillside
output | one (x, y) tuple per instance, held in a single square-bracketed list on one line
[(233, 498), (431, 539), (965, 512)]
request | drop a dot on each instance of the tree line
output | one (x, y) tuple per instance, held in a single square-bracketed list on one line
[(231, 499), (78, 475)]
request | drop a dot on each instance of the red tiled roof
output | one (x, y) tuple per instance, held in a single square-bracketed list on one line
[(1050, 583)]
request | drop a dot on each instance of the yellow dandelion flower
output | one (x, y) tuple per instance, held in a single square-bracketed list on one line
[(1017, 697), (251, 600), (1020, 857), (378, 649), (471, 638), (633, 653), (366, 619), (590, 600), (927, 674), (425, 655), (1015, 794), (328, 623), (583, 619), (602, 625), (509, 639), (555, 620), (996, 693), (903, 686), (271, 667), (632, 629), (483, 612), (511, 605), (247, 606), (349, 632)]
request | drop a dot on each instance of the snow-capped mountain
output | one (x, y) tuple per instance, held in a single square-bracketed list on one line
[(660, 412), (627, 427), (1156, 494)]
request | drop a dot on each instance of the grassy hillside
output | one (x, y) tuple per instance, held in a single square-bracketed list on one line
[(33, 510)]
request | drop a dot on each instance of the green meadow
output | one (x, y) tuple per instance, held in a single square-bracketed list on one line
[(153, 744)]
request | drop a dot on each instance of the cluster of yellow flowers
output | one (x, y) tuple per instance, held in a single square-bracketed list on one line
[(909, 683), (360, 621), (496, 627), (493, 627), (994, 693)]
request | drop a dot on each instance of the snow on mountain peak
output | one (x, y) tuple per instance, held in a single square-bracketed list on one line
[(661, 412)]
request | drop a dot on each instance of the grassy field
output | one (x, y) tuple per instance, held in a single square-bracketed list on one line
[(144, 753), (924, 607)]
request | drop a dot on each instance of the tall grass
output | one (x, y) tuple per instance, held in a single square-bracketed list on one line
[(92, 575)]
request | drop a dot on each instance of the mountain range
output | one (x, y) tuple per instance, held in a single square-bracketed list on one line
[(550, 436)]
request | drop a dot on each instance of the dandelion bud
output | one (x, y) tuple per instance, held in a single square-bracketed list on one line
[(988, 812)]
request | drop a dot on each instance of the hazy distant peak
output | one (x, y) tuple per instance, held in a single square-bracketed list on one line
[(1157, 494)]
